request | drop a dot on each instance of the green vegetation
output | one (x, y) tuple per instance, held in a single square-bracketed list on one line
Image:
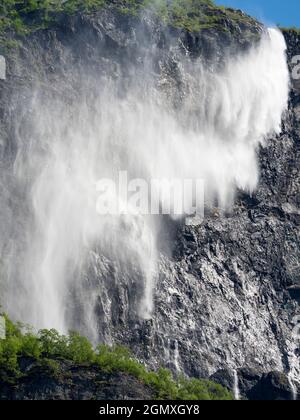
[(292, 29), (195, 15), (48, 348), (21, 17)]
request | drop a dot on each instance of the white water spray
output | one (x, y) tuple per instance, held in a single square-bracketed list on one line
[(294, 373), (236, 389), (292, 383), (176, 356), (214, 134)]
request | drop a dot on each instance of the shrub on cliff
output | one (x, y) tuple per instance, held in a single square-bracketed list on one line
[(24, 16), (48, 347)]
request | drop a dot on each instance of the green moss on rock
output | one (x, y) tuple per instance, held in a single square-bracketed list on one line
[(48, 351), (21, 17)]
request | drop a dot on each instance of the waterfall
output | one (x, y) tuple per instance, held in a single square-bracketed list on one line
[(176, 356), (110, 124), (294, 368), (294, 390), (236, 389), (294, 373)]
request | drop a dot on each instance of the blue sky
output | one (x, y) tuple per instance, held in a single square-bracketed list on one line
[(285, 13)]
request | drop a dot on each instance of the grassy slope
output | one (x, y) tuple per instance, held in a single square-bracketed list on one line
[(292, 29), (48, 349), (24, 16)]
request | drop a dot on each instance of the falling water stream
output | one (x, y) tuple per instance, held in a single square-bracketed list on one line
[(224, 115), (236, 389)]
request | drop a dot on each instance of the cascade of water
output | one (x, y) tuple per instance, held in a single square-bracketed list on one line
[(236, 389), (177, 356), (294, 390), (64, 150), (294, 372)]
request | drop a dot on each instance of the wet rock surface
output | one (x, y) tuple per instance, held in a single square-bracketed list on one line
[(72, 382), (228, 292)]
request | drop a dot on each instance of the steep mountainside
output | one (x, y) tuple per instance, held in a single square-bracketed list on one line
[(73, 382), (228, 291)]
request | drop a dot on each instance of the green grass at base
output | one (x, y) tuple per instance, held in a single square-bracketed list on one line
[(47, 347)]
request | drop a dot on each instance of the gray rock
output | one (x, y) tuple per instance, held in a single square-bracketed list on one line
[(228, 293)]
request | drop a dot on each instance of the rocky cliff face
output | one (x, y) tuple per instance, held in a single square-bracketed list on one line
[(228, 292), (234, 280), (72, 382)]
